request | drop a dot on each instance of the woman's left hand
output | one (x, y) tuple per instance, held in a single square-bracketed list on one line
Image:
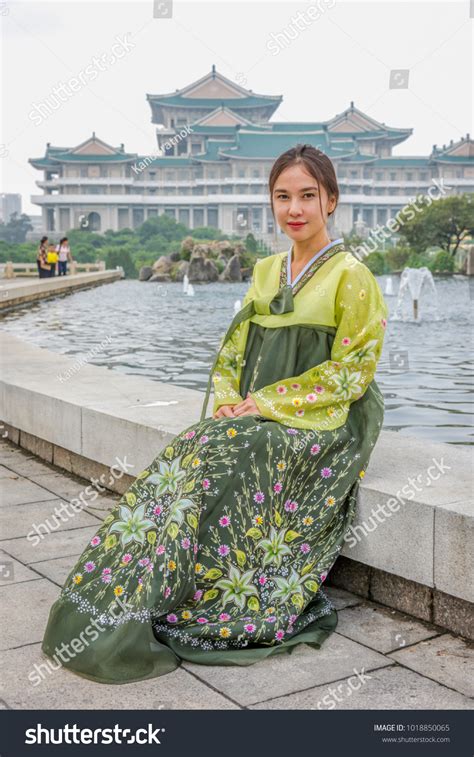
[(246, 407)]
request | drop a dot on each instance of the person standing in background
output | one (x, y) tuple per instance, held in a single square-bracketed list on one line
[(43, 268), (64, 253)]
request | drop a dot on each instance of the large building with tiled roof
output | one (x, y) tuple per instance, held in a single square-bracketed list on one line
[(215, 147)]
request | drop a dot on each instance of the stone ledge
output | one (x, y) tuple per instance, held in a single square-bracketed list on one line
[(15, 293), (414, 519)]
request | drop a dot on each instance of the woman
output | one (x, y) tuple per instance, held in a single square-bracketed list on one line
[(217, 552), (64, 254), (43, 268)]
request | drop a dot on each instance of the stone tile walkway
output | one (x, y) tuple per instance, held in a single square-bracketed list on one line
[(401, 662)]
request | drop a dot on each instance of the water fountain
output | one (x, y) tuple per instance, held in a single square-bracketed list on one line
[(237, 306), (185, 283), (190, 290), (389, 286), (417, 296)]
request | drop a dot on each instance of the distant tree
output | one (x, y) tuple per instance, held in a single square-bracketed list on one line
[(121, 257), (16, 229), (163, 226), (445, 223), (375, 262), (251, 243), (208, 233)]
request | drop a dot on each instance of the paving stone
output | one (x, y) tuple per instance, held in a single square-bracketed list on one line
[(381, 628), (57, 569), (341, 598), (386, 689), (61, 689), (39, 517), (18, 491), (13, 572), (286, 673), (59, 544), (29, 467), (28, 609), (7, 473), (446, 659)]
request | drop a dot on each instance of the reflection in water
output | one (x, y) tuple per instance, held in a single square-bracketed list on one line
[(159, 332)]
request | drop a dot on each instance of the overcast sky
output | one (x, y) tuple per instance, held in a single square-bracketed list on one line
[(345, 54)]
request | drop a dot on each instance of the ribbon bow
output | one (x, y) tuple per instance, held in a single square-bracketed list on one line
[(281, 302)]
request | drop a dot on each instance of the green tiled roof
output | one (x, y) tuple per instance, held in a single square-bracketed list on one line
[(407, 161), (258, 145), (163, 161), (203, 129), (234, 103), (214, 146), (453, 158)]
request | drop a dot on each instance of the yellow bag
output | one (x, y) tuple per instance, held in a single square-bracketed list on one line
[(52, 257)]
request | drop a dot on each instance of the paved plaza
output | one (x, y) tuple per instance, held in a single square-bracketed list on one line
[(377, 659)]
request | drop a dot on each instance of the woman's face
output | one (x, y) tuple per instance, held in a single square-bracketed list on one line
[(296, 205)]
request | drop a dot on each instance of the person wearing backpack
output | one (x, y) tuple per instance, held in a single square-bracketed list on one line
[(52, 258)]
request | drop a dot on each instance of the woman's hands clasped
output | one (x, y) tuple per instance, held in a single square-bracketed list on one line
[(246, 407)]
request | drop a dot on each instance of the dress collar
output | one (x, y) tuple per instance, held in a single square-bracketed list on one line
[(308, 264)]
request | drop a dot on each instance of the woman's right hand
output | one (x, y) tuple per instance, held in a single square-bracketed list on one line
[(225, 411)]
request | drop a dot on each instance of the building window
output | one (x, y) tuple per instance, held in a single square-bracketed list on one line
[(423, 176), (170, 212), (354, 174), (138, 216), (379, 175), (241, 172), (257, 219), (123, 218), (393, 176), (183, 216), (169, 175), (198, 217), (409, 176), (212, 217)]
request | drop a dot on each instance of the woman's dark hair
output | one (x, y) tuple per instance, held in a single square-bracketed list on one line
[(43, 240), (64, 239), (315, 162)]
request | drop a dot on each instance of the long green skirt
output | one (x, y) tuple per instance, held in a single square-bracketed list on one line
[(218, 552)]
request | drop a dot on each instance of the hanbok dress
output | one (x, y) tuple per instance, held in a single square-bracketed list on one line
[(218, 551)]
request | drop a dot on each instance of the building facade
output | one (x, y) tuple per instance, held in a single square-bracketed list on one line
[(215, 148), (9, 205)]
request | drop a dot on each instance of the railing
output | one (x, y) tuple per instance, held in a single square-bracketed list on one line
[(11, 270)]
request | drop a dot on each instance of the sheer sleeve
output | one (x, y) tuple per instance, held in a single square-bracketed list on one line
[(320, 397), (226, 377)]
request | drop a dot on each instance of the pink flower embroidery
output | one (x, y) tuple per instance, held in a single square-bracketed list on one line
[(326, 472), (95, 541), (224, 616), (278, 487), (172, 618), (206, 483), (315, 449), (160, 549), (189, 434), (281, 389), (311, 397), (224, 521), (158, 510)]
